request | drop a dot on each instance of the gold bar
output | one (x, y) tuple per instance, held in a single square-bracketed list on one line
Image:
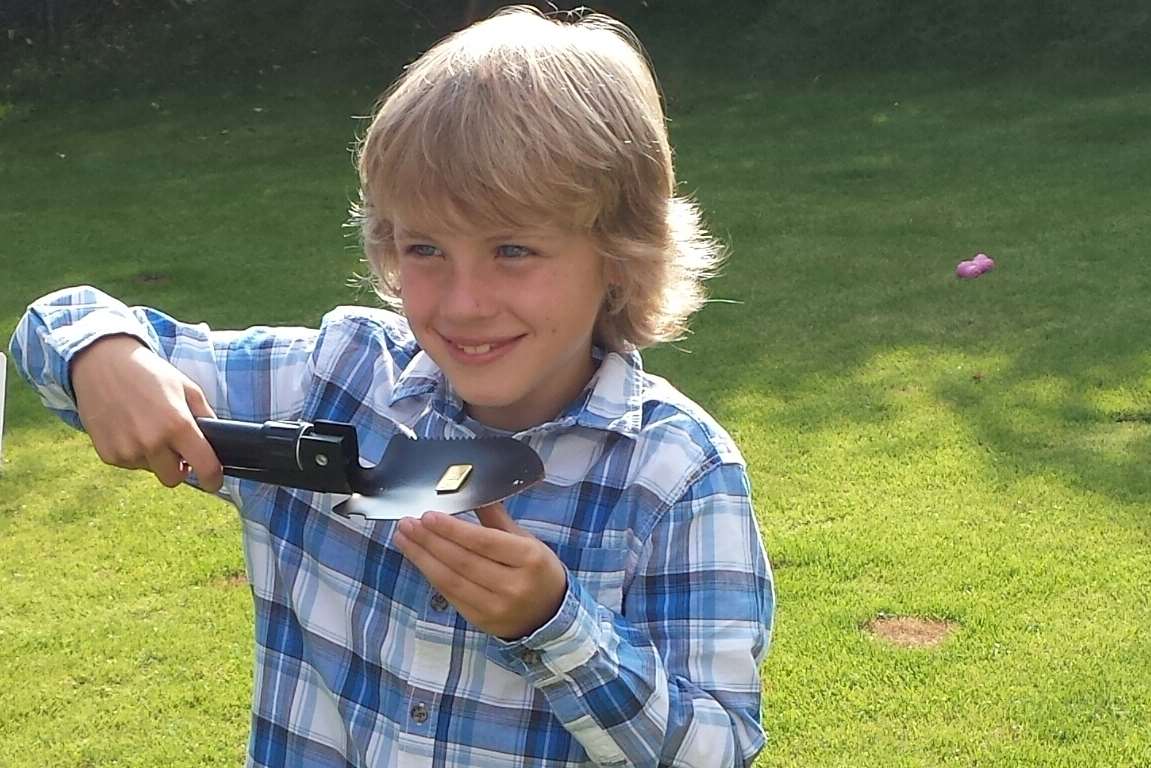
[(453, 478)]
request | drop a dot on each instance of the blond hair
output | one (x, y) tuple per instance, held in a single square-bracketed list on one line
[(523, 118)]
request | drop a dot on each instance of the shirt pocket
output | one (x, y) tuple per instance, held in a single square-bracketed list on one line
[(603, 572)]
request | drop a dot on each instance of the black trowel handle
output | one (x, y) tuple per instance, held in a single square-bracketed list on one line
[(299, 454), (271, 445)]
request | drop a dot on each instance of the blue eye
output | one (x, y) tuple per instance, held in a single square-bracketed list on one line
[(422, 250), (515, 251)]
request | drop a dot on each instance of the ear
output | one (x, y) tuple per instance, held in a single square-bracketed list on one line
[(612, 275)]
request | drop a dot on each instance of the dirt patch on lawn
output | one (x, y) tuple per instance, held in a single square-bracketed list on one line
[(151, 278), (911, 631), (231, 581)]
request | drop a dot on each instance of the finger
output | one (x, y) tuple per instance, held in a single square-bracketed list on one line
[(496, 516), (475, 567), (167, 467), (459, 591), (197, 403), (195, 449), (494, 544), (116, 455)]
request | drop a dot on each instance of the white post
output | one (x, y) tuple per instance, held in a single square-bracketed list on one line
[(3, 374)]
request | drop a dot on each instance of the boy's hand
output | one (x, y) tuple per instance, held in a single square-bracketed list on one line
[(499, 577), (140, 412)]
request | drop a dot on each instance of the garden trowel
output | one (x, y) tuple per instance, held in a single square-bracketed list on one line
[(414, 476)]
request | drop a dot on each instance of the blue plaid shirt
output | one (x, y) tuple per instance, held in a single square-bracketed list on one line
[(653, 656)]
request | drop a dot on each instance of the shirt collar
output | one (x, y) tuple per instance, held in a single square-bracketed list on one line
[(420, 377), (612, 400)]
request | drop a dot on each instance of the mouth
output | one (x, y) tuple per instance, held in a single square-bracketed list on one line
[(479, 350)]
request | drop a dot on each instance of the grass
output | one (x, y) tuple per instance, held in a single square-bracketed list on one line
[(966, 451)]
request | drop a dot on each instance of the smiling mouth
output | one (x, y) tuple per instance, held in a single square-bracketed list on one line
[(480, 348)]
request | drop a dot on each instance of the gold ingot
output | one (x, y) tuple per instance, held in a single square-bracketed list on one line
[(453, 478)]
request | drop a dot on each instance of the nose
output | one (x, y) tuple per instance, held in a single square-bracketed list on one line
[(469, 293)]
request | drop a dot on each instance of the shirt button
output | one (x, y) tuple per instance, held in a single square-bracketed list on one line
[(419, 712), (439, 602), (530, 657)]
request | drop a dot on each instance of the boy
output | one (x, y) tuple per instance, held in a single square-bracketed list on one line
[(518, 204)]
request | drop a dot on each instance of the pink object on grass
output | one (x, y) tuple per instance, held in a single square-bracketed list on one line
[(975, 267)]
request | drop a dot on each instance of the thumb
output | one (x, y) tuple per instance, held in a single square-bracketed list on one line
[(194, 448), (496, 516)]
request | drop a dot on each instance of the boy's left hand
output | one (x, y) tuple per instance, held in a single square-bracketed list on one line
[(502, 579)]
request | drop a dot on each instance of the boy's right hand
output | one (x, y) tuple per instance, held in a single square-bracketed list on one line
[(140, 412)]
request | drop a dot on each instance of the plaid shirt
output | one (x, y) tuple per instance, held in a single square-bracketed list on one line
[(653, 656)]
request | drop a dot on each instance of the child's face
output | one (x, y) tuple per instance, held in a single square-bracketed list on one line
[(508, 316)]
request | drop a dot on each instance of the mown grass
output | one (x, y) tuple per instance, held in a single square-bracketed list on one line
[(969, 451)]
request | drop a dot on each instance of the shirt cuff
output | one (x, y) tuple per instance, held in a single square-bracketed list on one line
[(74, 338), (564, 643)]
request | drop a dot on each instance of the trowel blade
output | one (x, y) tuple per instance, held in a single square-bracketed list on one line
[(450, 476)]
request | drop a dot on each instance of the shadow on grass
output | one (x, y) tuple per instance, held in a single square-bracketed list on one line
[(1065, 396)]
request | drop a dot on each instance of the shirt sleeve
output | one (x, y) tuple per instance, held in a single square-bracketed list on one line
[(257, 374), (674, 680)]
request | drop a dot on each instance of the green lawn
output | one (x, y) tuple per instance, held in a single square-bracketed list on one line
[(968, 451)]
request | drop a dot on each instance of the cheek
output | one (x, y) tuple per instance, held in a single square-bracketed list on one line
[(415, 290), (569, 315)]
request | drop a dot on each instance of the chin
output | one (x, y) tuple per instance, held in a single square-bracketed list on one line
[(483, 398)]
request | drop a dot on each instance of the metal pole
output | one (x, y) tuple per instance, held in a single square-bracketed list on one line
[(3, 375)]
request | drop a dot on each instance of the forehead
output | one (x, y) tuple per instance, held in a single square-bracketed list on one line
[(442, 228), (445, 214)]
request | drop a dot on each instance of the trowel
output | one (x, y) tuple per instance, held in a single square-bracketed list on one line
[(414, 476)]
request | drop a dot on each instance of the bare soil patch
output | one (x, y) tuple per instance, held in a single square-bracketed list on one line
[(151, 278), (911, 631), (232, 580)]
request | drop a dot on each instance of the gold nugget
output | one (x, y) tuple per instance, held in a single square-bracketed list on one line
[(453, 478)]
